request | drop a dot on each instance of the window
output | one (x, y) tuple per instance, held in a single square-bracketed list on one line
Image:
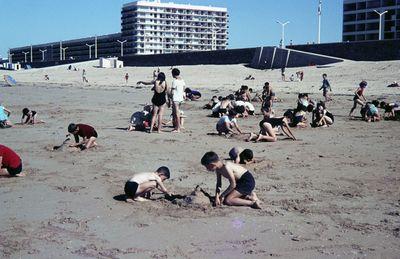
[(349, 7), (374, 4)]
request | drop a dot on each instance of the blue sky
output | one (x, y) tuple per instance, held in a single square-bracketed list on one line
[(252, 22)]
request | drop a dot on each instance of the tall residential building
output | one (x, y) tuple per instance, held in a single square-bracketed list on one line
[(155, 27), (361, 22)]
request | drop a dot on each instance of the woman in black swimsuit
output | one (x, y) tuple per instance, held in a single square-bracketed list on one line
[(267, 132), (159, 99)]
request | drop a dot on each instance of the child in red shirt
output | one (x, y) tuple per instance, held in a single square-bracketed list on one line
[(10, 162)]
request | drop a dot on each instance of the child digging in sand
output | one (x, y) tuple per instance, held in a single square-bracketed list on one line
[(240, 191), (241, 156), (29, 117), (10, 162), (227, 122), (86, 132), (267, 131), (140, 185)]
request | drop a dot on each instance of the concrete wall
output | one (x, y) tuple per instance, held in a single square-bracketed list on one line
[(360, 51), (232, 56), (272, 58)]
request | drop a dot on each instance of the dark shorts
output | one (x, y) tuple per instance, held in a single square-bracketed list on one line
[(15, 171), (130, 189), (245, 185), (251, 112), (355, 98), (223, 110)]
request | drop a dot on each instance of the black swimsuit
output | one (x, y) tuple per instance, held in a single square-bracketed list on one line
[(159, 99), (273, 121)]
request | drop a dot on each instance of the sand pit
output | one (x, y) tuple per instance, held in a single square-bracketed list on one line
[(335, 193)]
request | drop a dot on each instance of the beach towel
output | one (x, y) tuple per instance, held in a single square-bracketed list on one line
[(9, 80)]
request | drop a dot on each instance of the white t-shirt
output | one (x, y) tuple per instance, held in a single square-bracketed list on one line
[(224, 119), (249, 106), (178, 90), (144, 177)]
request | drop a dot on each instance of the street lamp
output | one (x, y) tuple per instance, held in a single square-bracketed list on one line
[(380, 22), (31, 54), (90, 50), (61, 51), (283, 32), (43, 51), (64, 49), (122, 47), (319, 21), (25, 53)]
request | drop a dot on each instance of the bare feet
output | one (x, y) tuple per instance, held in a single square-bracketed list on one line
[(252, 136), (140, 199), (256, 205)]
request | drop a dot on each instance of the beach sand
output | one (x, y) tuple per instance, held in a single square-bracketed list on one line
[(333, 193)]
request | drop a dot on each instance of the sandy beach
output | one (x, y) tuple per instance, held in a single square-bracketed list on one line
[(333, 193)]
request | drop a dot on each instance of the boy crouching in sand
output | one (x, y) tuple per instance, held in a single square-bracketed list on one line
[(141, 184), (10, 162), (86, 132), (241, 182)]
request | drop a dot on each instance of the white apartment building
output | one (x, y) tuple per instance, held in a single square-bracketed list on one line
[(361, 22), (152, 27)]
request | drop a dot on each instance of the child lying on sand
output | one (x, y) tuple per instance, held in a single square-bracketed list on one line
[(241, 182), (267, 131), (140, 185)]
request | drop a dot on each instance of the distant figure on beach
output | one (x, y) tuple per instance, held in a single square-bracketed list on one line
[(84, 79), (227, 123), (291, 78), (394, 84), (325, 86), (86, 132), (192, 95), (300, 75), (240, 191), (46, 77), (358, 97), (4, 114), (29, 117), (178, 96), (139, 186), (10, 162), (159, 99), (241, 156), (268, 97), (283, 74), (126, 78), (70, 67)]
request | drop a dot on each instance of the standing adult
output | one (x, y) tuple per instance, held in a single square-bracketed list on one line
[(159, 99), (178, 95), (126, 78), (268, 97)]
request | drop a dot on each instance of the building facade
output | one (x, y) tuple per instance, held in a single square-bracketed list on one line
[(361, 22), (156, 28), (146, 28)]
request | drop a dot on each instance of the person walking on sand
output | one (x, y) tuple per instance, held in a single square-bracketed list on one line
[(358, 95), (84, 76), (325, 87), (159, 99), (126, 78)]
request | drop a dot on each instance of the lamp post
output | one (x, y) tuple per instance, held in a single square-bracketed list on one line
[(95, 46), (10, 57), (122, 46), (380, 22), (31, 54), (283, 32), (61, 51), (25, 53), (319, 21), (43, 51), (90, 50), (64, 50)]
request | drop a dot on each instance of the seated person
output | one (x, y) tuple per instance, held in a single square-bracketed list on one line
[(392, 110), (227, 123), (267, 131), (241, 156), (10, 162), (192, 95), (223, 106), (86, 132), (29, 117), (321, 116), (214, 100), (4, 114), (140, 185), (371, 113), (140, 120)]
